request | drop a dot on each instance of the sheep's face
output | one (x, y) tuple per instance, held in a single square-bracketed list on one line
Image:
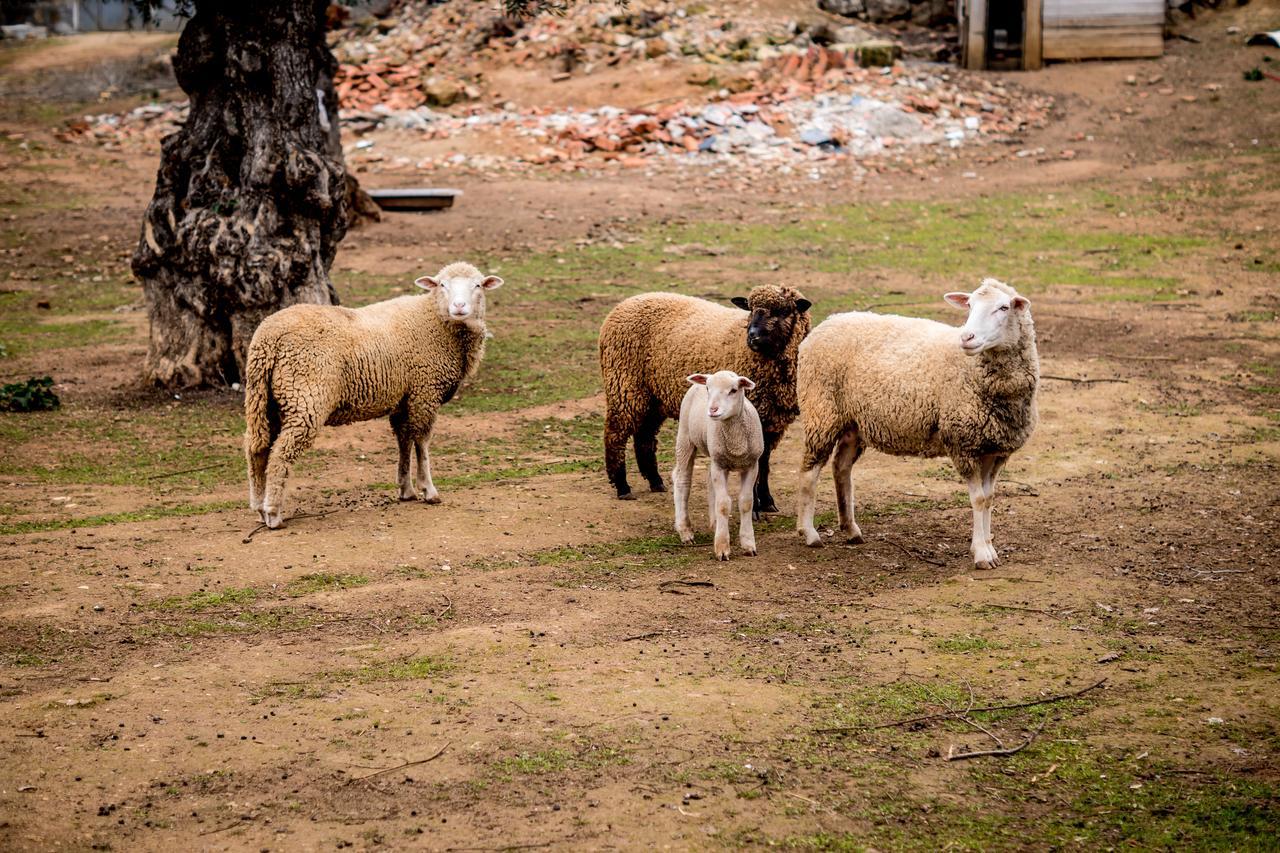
[(460, 296), (995, 312), (725, 392), (771, 324)]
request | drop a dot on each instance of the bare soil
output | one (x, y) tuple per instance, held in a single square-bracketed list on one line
[(534, 664)]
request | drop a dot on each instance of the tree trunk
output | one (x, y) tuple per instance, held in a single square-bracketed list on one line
[(252, 194)]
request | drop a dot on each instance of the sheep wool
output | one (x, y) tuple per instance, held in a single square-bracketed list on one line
[(906, 386), (312, 365), (649, 343)]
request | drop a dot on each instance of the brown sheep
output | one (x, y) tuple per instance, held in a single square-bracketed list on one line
[(651, 342)]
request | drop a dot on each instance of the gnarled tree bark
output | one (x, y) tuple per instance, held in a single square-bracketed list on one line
[(252, 194)]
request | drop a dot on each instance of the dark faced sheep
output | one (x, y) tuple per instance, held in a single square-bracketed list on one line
[(651, 342)]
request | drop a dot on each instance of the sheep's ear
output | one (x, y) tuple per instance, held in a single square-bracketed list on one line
[(744, 382), (803, 305), (427, 282), (696, 379), (491, 282), (1020, 302), (741, 302), (960, 300)]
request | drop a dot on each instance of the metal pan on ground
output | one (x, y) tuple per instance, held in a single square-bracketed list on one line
[(414, 199)]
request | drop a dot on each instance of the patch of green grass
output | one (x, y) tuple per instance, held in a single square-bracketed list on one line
[(241, 622), (558, 760), (319, 581), (406, 669), (198, 602), (27, 335), (152, 446), (14, 527), (964, 644)]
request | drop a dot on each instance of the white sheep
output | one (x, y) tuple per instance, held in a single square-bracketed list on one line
[(311, 365), (913, 387), (717, 420)]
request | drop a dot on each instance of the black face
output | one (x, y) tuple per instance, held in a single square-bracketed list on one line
[(769, 330)]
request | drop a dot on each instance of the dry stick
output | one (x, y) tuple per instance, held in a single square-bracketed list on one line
[(447, 607), (255, 531), (925, 718), (642, 636), (439, 752), (1082, 381), (1010, 751), (685, 583), (909, 552), (186, 471), (1144, 357), (1016, 607)]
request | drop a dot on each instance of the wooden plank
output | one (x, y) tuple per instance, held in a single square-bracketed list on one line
[(1033, 36), (976, 45), (1078, 21), (1099, 43), (1059, 9)]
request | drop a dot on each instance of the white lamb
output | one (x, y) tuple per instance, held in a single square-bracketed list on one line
[(913, 387), (718, 421)]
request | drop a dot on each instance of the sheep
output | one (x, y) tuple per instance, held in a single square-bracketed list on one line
[(310, 365), (718, 420), (648, 342), (913, 387)]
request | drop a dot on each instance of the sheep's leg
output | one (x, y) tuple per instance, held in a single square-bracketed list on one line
[(720, 488), (646, 446), (818, 442), (764, 501), (257, 459), (746, 511), (681, 478), (617, 430), (847, 452), (297, 433), (984, 556), (404, 466), (711, 497), (991, 468), (426, 488)]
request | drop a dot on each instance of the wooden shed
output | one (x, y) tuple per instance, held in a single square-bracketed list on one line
[(1024, 34)]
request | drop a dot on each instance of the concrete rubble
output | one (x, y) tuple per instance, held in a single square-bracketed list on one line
[(775, 96)]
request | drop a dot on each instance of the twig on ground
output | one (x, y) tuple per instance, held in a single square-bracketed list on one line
[(439, 752), (448, 605), (261, 527), (231, 825), (960, 756), (1082, 381), (185, 471), (665, 586), (1144, 357), (915, 554), (1024, 609), (950, 713), (644, 636)]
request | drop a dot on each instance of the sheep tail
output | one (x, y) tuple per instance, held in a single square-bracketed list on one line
[(257, 402)]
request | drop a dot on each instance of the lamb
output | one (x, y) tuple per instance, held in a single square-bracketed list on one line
[(718, 420), (310, 365), (648, 342), (914, 387)]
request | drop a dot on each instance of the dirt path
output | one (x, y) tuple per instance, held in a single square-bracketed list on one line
[(533, 664)]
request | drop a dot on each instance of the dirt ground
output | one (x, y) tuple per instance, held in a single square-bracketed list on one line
[(534, 664)]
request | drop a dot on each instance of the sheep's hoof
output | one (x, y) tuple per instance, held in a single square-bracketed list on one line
[(408, 497), (274, 521), (434, 499), (748, 552), (724, 558), (984, 564), (855, 539), (812, 540), (626, 496), (659, 486), (766, 506)]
